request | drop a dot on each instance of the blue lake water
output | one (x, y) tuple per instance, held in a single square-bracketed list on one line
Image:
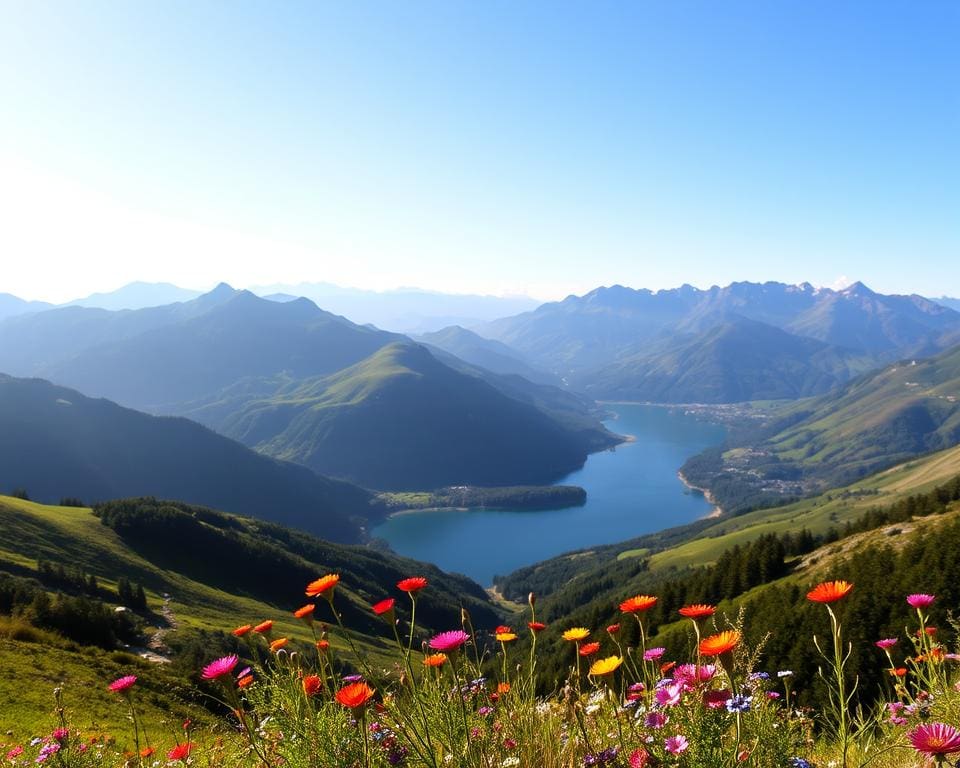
[(631, 490)]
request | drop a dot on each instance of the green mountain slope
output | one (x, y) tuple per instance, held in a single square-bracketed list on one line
[(204, 572), (737, 360), (54, 442), (403, 420), (491, 355), (904, 410)]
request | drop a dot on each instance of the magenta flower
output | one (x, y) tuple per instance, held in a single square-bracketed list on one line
[(446, 642), (653, 654), (639, 758), (688, 673), (122, 683), (920, 600), (676, 744), (669, 695), (222, 666), (885, 643), (655, 720), (715, 699), (935, 739)]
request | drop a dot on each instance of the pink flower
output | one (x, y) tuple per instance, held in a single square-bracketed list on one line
[(14, 753), (122, 683), (653, 654), (676, 744), (669, 695), (446, 642), (935, 738), (920, 600), (220, 667), (639, 758), (688, 673), (885, 643)]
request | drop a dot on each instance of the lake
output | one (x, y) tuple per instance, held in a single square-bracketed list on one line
[(631, 490)]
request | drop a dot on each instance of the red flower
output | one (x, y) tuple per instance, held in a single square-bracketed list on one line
[(412, 585), (536, 626), (241, 631), (829, 591), (613, 629), (181, 751), (312, 684), (588, 649), (697, 611), (354, 695), (638, 604)]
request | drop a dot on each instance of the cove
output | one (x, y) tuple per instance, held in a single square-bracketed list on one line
[(631, 490)]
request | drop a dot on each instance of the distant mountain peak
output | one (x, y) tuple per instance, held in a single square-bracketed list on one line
[(857, 289)]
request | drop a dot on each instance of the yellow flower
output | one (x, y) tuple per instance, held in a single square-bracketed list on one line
[(606, 666), (576, 634), (505, 637)]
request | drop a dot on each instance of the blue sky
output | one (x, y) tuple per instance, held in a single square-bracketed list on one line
[(498, 147)]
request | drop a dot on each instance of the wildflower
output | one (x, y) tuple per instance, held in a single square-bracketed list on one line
[(245, 681), (676, 744), (885, 643), (717, 645), (354, 695), (385, 608), (613, 629), (799, 762), (305, 613), (576, 634), (505, 637), (697, 611), (606, 666), (588, 649), (898, 672), (312, 685), (638, 604), (279, 643), (715, 699), (691, 673), (536, 626), (447, 642), (180, 752), (264, 627), (920, 600), (739, 703), (122, 683), (829, 591), (759, 676), (323, 587), (503, 688), (935, 739), (785, 673), (147, 752), (412, 585), (669, 695), (352, 678), (222, 666), (653, 654), (241, 631), (14, 753), (639, 758), (435, 660)]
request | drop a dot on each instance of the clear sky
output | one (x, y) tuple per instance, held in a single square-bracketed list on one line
[(497, 147)]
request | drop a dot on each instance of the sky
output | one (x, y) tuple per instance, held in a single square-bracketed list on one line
[(501, 147)]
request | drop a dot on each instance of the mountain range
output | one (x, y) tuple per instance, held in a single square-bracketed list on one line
[(298, 382), (626, 343)]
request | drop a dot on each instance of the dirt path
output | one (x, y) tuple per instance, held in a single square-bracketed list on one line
[(157, 650)]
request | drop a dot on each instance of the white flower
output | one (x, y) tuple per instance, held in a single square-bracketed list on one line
[(510, 761)]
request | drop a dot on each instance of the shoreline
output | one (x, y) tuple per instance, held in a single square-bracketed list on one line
[(717, 510)]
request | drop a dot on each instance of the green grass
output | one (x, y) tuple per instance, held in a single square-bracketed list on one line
[(817, 514)]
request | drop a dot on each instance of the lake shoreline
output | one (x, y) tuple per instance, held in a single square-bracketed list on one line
[(717, 510)]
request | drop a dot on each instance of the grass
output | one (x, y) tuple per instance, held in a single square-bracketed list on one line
[(817, 514)]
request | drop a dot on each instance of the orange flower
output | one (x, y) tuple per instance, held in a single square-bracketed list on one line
[(312, 685), (717, 645), (354, 695), (898, 672), (638, 604), (412, 585), (279, 643), (147, 751), (503, 688), (435, 660), (245, 682), (829, 591), (697, 611), (263, 627), (588, 649), (323, 586), (241, 631), (323, 645), (305, 613)]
